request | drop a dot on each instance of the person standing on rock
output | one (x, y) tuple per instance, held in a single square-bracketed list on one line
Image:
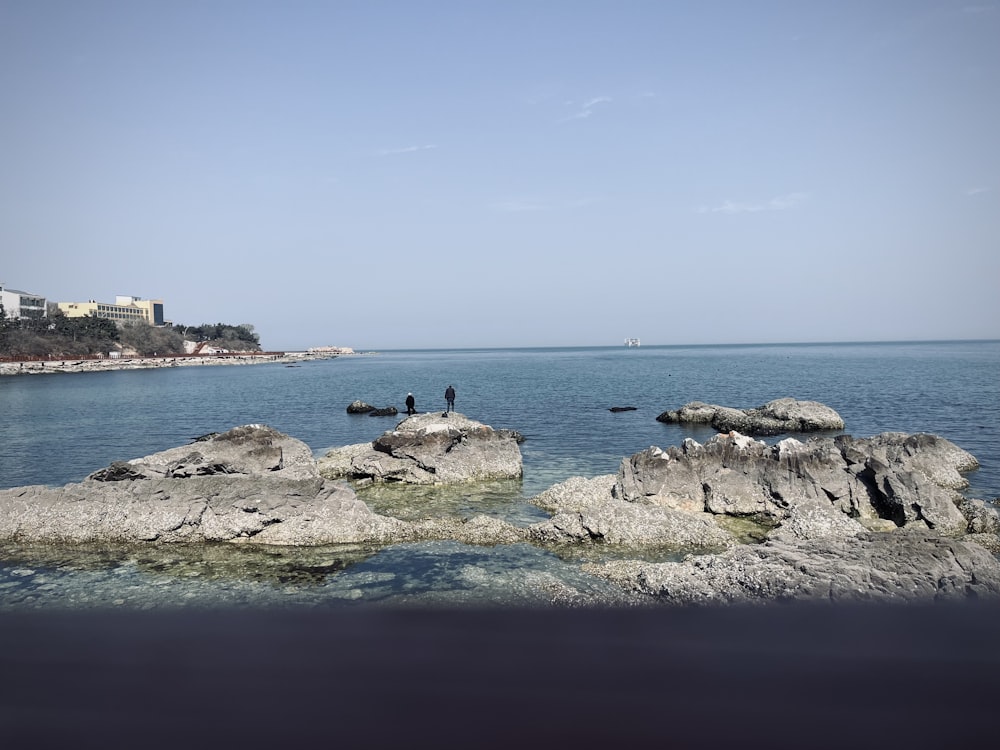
[(449, 397), (411, 404)]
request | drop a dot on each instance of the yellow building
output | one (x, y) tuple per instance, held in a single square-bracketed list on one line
[(124, 310)]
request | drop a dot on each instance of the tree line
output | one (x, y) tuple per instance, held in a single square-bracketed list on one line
[(60, 336)]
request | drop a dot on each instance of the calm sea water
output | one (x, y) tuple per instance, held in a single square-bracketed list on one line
[(56, 429)]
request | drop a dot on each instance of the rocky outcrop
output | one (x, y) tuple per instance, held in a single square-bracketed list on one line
[(890, 480), (429, 449), (696, 496), (249, 451), (899, 567), (773, 418), (250, 484), (841, 518), (204, 509), (852, 519)]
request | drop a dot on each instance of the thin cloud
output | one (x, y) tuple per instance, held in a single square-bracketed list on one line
[(406, 150), (977, 191), (596, 100), (780, 203), (587, 109)]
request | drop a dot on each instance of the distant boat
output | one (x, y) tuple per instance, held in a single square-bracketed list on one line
[(631, 342)]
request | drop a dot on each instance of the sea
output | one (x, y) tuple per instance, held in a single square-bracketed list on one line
[(58, 428)]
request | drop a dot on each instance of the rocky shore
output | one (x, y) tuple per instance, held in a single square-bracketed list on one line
[(830, 519), (42, 367)]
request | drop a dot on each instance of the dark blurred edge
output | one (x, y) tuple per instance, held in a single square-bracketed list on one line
[(781, 675)]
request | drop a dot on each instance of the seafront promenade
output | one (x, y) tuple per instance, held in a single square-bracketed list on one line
[(42, 366)]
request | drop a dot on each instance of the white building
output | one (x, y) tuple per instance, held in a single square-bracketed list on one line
[(18, 304)]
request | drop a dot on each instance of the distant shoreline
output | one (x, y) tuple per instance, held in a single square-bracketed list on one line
[(72, 365)]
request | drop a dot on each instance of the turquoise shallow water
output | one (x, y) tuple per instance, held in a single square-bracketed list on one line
[(58, 428)]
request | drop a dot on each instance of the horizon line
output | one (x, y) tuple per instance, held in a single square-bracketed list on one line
[(680, 346)]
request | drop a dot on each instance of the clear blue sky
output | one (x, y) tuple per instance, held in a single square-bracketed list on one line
[(450, 174)]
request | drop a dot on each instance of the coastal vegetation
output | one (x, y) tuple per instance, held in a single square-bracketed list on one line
[(60, 336)]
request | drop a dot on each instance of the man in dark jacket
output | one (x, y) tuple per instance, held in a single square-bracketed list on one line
[(411, 404), (449, 397)]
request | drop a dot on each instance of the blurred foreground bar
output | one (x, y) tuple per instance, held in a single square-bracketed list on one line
[(777, 676)]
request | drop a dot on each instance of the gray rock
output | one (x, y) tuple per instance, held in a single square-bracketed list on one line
[(799, 416), (990, 542), (890, 477), (197, 509), (585, 510), (900, 567), (938, 459), (254, 484), (249, 451), (576, 494), (983, 517), (773, 418), (432, 449), (250, 484), (337, 463), (815, 519), (626, 524), (514, 435), (911, 478), (359, 407)]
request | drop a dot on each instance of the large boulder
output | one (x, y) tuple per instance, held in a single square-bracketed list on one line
[(430, 449), (773, 418)]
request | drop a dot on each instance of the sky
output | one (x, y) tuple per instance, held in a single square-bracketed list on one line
[(391, 175)]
